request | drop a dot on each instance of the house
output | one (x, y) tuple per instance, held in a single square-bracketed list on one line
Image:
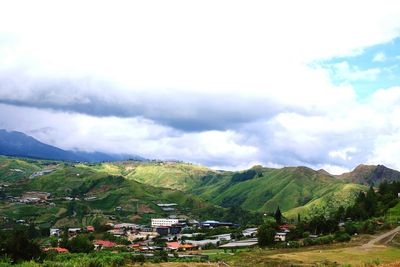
[(241, 244), (91, 198), (167, 205), (212, 224), (163, 222), (117, 232), (162, 230), (249, 232), (178, 246), (223, 237), (42, 196), (280, 236), (100, 244), (89, 228), (74, 231), (202, 243), (57, 249), (209, 224), (126, 226), (55, 232), (286, 227)]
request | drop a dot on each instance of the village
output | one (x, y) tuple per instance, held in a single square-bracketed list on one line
[(173, 234)]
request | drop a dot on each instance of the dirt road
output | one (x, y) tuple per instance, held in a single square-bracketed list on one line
[(388, 235)]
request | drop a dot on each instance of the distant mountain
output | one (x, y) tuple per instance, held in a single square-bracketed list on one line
[(18, 144), (370, 175)]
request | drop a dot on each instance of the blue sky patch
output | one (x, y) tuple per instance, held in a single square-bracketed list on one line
[(375, 68)]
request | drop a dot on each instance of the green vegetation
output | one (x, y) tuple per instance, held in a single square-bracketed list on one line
[(375, 204), (295, 190), (95, 191)]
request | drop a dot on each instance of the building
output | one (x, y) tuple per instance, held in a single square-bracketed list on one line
[(178, 246), (223, 237), (280, 236), (42, 196), (74, 231), (99, 244), (55, 232), (162, 230), (167, 204), (240, 244), (163, 222), (126, 226), (249, 232), (212, 224), (203, 243), (57, 249)]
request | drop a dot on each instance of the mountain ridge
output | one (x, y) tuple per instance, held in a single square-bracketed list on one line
[(370, 175), (18, 144)]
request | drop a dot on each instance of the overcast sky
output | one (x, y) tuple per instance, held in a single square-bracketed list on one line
[(227, 84)]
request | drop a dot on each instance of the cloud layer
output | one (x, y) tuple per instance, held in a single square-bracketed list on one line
[(225, 84)]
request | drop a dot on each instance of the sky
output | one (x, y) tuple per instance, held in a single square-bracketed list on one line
[(226, 84)]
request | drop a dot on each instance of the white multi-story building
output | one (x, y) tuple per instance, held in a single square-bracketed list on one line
[(163, 222)]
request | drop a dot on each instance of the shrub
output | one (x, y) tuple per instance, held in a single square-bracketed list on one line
[(342, 236), (306, 234)]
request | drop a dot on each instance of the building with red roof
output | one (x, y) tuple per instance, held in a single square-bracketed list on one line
[(57, 249), (99, 244), (176, 246)]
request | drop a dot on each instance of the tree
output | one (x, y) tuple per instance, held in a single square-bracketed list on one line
[(298, 218), (64, 238), (32, 231), (266, 234), (370, 202), (18, 247), (80, 244), (278, 216)]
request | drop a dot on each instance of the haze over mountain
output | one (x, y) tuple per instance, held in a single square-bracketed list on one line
[(18, 144)]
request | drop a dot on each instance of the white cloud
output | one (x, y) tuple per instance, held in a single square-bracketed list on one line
[(222, 83), (379, 57), (343, 71), (344, 154)]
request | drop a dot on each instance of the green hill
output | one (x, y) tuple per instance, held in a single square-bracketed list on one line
[(137, 187), (294, 189), (99, 189)]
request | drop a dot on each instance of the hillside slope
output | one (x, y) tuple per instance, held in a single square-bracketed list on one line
[(294, 189), (370, 175), (99, 191)]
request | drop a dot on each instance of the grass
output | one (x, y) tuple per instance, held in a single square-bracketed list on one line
[(322, 256)]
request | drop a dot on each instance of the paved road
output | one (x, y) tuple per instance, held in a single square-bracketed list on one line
[(381, 237)]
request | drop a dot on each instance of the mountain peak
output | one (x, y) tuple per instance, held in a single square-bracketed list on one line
[(371, 174), (13, 143)]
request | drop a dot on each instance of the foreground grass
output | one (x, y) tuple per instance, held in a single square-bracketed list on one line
[(345, 256)]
